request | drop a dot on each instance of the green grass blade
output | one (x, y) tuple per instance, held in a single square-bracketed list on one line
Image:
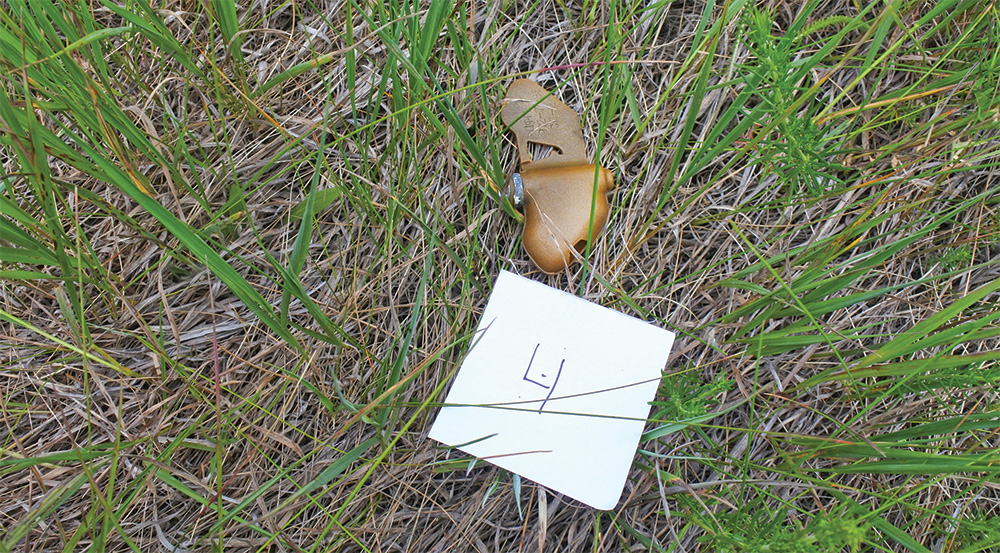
[(53, 499)]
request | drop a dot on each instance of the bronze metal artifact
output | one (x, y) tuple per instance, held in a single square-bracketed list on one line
[(563, 195)]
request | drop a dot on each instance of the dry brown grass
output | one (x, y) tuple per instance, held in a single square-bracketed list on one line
[(220, 405)]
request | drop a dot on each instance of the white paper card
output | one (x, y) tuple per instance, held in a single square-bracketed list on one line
[(556, 389)]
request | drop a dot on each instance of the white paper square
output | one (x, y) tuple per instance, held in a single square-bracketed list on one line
[(556, 389)]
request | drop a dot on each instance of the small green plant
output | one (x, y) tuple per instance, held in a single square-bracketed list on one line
[(686, 396), (764, 532), (793, 146), (978, 532), (954, 257)]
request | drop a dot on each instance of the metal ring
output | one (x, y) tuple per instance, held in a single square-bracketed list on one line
[(518, 190)]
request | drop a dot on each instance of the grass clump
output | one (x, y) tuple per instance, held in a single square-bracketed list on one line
[(243, 249)]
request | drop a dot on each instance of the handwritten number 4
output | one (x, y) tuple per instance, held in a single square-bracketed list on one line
[(552, 388)]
